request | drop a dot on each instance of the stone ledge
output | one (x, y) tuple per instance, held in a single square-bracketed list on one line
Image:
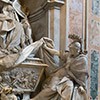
[(54, 3)]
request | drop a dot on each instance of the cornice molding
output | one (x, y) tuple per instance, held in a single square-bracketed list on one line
[(50, 4)]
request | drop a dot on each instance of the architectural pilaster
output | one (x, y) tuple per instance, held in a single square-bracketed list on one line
[(54, 20)]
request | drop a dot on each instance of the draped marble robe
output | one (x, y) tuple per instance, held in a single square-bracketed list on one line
[(12, 40), (14, 35), (65, 83)]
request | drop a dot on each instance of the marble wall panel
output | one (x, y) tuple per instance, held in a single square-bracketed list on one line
[(75, 16), (96, 7), (94, 33), (94, 74)]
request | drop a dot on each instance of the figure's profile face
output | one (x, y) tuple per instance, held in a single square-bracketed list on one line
[(74, 48)]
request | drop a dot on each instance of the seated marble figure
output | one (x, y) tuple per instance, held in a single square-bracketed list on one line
[(15, 32), (68, 81)]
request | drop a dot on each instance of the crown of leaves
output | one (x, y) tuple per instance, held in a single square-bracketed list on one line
[(75, 38)]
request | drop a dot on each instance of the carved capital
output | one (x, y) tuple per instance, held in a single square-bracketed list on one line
[(55, 3), (51, 4)]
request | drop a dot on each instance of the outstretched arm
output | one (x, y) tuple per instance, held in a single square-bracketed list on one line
[(51, 50)]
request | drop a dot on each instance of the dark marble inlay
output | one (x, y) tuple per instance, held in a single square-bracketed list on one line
[(96, 7), (94, 74)]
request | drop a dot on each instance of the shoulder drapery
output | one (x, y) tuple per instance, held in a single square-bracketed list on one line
[(78, 68)]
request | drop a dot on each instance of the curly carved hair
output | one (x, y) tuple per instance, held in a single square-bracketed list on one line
[(75, 38)]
